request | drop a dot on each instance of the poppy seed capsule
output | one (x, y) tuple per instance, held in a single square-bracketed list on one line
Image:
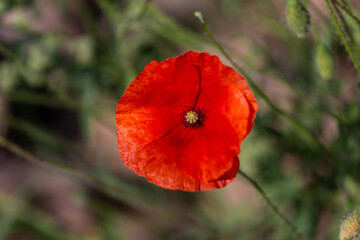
[(192, 117), (297, 17), (350, 228)]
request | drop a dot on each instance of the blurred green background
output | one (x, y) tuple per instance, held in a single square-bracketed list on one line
[(65, 64)]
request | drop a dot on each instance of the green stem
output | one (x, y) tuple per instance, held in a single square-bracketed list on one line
[(347, 30), (342, 36), (271, 204), (346, 9), (259, 92)]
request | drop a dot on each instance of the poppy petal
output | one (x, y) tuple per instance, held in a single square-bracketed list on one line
[(176, 154), (165, 162), (152, 101)]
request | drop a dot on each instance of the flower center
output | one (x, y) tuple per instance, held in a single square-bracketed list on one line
[(192, 117)]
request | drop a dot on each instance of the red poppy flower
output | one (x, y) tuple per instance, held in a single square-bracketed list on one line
[(181, 121)]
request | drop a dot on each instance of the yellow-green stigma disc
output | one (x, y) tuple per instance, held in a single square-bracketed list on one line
[(192, 117)]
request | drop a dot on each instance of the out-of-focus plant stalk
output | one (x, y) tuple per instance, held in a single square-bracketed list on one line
[(312, 103), (20, 66), (314, 31), (343, 37), (6, 53), (14, 148), (19, 210), (129, 197), (260, 92), (271, 204)]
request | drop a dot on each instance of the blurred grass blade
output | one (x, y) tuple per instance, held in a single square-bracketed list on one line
[(10, 210), (17, 211)]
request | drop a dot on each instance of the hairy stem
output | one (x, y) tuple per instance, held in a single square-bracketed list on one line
[(271, 204), (346, 29), (348, 11), (343, 37)]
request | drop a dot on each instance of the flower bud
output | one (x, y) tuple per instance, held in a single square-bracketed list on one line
[(297, 17), (324, 62), (350, 228)]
